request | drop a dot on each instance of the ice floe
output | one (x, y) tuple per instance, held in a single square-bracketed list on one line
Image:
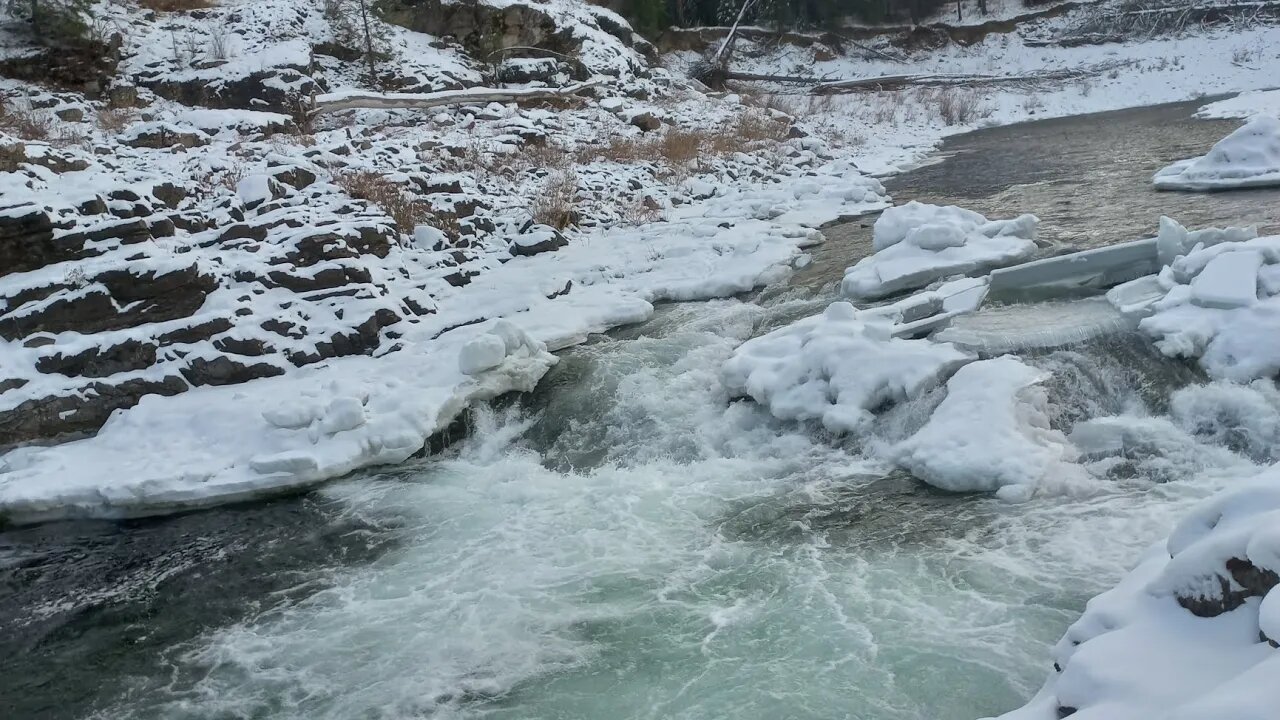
[(1248, 157), (837, 367), (917, 243), (992, 433)]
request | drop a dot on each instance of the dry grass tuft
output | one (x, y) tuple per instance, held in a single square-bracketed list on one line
[(114, 120), (557, 204), (956, 106), (404, 210), (26, 123)]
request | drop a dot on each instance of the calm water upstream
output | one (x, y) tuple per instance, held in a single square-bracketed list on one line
[(627, 543)]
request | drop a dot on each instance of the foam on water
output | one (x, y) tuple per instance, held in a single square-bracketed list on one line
[(640, 548)]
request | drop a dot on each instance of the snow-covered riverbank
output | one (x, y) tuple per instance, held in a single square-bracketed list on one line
[(733, 234)]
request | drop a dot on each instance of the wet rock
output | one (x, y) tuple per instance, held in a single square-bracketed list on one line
[(321, 246), (89, 311), (242, 231), (195, 332), (460, 278), (170, 194), (325, 279), (279, 89), (1252, 581), (147, 297), (295, 177), (97, 205), (537, 239), (527, 70), (128, 231), (646, 121), (248, 347), (480, 27), (159, 226)]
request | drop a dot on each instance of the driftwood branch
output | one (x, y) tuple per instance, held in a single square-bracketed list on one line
[(333, 102)]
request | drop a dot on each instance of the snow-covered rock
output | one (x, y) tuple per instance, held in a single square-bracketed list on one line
[(837, 367), (918, 243), (992, 433), (1190, 633), (1248, 157)]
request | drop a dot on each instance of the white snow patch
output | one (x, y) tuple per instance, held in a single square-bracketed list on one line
[(1219, 302)]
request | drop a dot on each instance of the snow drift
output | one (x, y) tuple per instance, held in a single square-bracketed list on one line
[(918, 243)]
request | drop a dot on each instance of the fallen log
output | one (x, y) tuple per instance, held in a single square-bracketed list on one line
[(353, 99), (757, 77), (882, 82)]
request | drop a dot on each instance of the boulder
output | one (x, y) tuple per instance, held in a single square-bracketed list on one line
[(537, 239), (159, 136), (27, 241)]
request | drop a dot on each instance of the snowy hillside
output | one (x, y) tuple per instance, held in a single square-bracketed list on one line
[(169, 246)]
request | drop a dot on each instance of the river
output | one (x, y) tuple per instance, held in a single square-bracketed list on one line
[(627, 543)]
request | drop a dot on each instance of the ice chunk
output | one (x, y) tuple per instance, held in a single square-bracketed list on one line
[(1135, 298), (1230, 280), (1248, 157), (935, 237), (483, 352), (344, 413), (291, 416), (918, 243), (837, 367), (992, 433), (896, 223), (291, 462), (1212, 311), (1006, 328)]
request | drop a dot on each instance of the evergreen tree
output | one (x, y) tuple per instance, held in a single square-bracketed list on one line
[(58, 23)]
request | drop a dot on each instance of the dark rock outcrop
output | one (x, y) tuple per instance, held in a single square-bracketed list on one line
[(1253, 581), (66, 416)]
